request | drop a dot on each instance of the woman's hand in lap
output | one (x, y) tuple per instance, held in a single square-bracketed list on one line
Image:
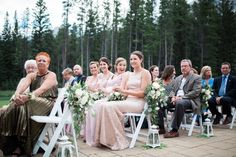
[(21, 99)]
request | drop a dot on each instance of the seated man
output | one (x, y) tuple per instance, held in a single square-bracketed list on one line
[(224, 94), (184, 95), (78, 74)]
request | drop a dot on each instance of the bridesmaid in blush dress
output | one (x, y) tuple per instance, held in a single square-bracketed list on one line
[(115, 80), (102, 79), (92, 81), (110, 116)]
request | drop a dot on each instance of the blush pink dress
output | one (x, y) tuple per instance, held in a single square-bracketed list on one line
[(90, 120), (109, 129)]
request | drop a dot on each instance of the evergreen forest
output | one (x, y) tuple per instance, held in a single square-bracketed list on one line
[(203, 31)]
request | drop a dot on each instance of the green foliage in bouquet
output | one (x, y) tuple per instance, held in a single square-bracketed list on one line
[(97, 95), (156, 97), (205, 95), (116, 96), (80, 101)]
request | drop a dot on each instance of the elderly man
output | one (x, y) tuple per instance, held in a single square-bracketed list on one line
[(78, 74), (184, 95), (224, 94)]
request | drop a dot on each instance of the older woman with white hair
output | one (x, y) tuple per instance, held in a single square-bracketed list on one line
[(30, 67), (18, 133)]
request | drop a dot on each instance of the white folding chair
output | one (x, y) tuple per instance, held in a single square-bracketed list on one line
[(135, 130), (58, 120), (192, 125), (233, 119)]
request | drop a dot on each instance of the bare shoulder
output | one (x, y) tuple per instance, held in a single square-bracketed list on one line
[(52, 74), (145, 72), (126, 74)]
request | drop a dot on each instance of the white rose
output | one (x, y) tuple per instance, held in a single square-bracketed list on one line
[(149, 110), (116, 94), (78, 93), (157, 108), (162, 89), (203, 90), (156, 85), (84, 99), (208, 92), (158, 93)]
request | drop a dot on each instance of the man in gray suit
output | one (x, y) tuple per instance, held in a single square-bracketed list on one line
[(184, 95)]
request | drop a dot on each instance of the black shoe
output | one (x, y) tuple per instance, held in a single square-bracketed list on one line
[(227, 120), (162, 131), (217, 119)]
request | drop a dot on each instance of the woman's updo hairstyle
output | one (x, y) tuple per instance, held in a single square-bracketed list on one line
[(140, 56), (107, 61)]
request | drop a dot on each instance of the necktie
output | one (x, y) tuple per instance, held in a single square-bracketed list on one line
[(222, 87)]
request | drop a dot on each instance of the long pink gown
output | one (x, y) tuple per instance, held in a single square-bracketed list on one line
[(110, 117), (90, 117)]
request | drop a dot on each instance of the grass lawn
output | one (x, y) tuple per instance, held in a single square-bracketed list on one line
[(5, 96)]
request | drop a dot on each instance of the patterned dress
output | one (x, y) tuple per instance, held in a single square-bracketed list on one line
[(17, 129)]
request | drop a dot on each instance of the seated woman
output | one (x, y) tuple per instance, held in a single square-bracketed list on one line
[(115, 80), (92, 81), (109, 129), (154, 71), (207, 79), (105, 67), (30, 67), (18, 133), (167, 77)]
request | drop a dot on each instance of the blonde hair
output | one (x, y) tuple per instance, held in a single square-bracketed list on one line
[(204, 70), (68, 71), (94, 62)]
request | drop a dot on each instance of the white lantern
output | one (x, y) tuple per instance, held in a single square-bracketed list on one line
[(207, 128), (153, 139)]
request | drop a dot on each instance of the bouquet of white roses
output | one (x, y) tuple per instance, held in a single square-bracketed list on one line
[(156, 97), (206, 94), (80, 100), (116, 96), (97, 95)]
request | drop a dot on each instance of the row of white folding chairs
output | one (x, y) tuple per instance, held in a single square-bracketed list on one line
[(56, 120)]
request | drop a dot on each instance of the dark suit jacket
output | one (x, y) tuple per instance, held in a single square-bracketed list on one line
[(80, 79), (230, 87), (192, 89)]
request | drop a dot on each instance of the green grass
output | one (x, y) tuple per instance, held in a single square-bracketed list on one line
[(5, 96)]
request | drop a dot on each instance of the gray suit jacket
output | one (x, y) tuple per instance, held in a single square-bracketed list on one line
[(192, 89)]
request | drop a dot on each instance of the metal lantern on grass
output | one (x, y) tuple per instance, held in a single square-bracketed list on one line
[(153, 139), (207, 128)]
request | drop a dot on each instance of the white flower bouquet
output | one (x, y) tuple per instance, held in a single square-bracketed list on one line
[(156, 97), (116, 96), (97, 95), (206, 94), (80, 100)]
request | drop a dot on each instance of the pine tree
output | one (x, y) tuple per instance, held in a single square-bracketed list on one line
[(227, 33), (7, 58), (41, 27), (204, 34)]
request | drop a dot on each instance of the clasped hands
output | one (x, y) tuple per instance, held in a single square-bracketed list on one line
[(174, 99), (20, 99), (120, 90)]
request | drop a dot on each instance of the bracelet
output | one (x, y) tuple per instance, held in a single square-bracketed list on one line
[(31, 95)]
